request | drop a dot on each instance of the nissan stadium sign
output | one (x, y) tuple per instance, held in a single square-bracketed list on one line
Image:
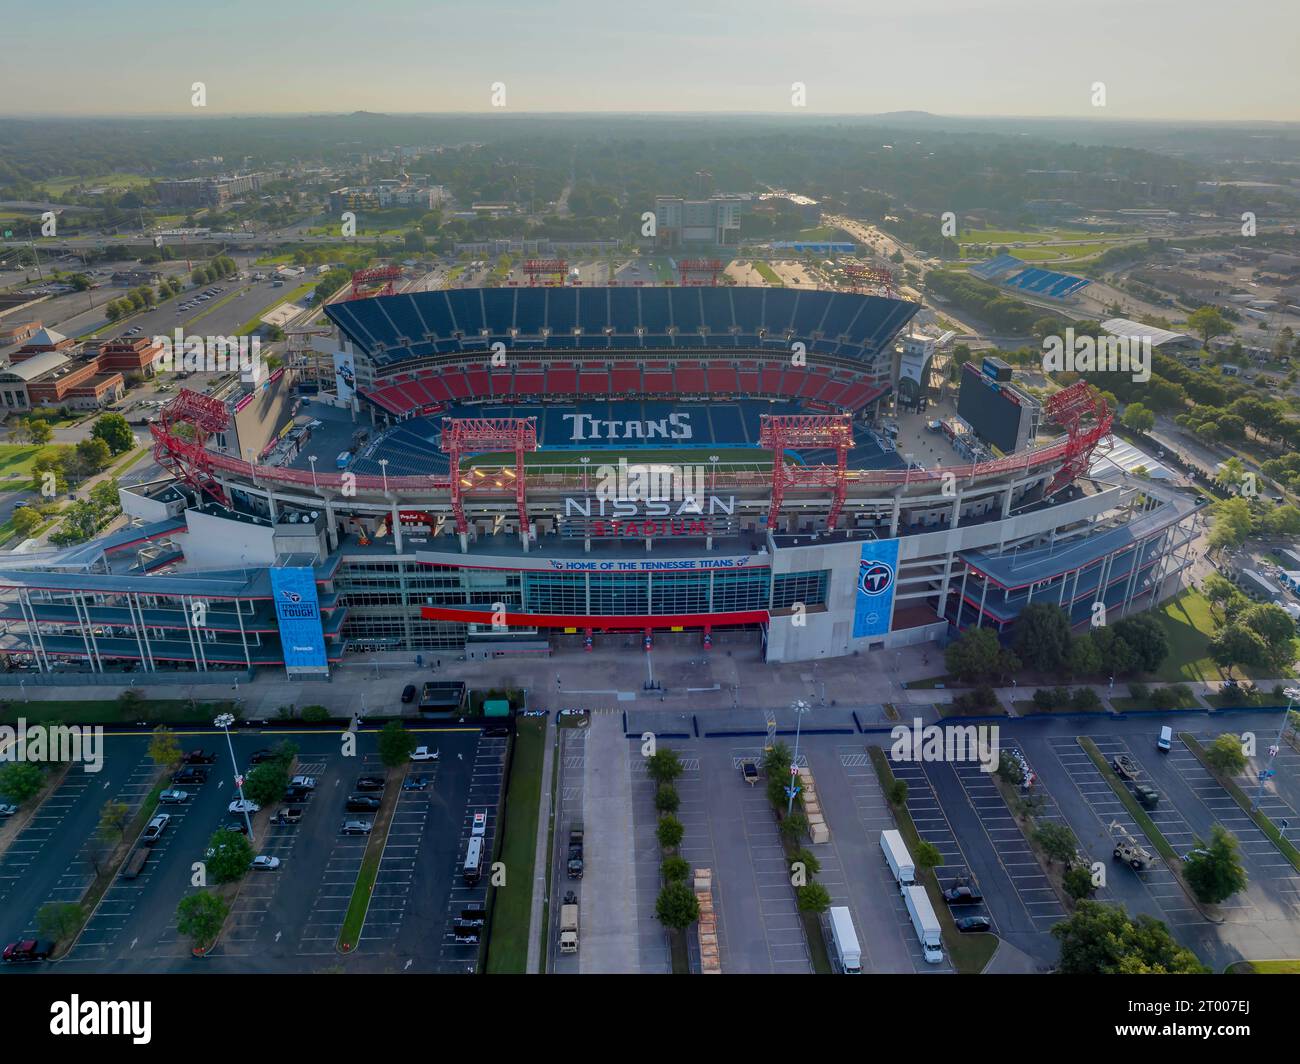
[(649, 518)]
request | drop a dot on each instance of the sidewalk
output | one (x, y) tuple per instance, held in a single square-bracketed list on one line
[(537, 930)]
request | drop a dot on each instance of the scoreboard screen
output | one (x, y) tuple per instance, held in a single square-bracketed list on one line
[(993, 413)]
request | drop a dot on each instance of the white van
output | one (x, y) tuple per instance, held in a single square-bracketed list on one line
[(1166, 739)]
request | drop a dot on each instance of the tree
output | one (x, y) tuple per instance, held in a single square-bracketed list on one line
[(114, 431), (977, 655), (164, 749), (1236, 646), (1138, 418), (104, 497), (1147, 643), (1277, 630), (1078, 883), (231, 854), (677, 906), (38, 431), (1232, 523), (57, 920), (898, 793), (669, 832), (664, 765), (200, 917), (395, 744), (1221, 594), (266, 782), (666, 798), (1057, 841), (793, 827), (1042, 637), (927, 855), (1214, 871), (813, 898), (1084, 658), (26, 520), (21, 780), (675, 869), (1225, 755), (130, 704), (315, 714), (1208, 322), (92, 456), (811, 865), (113, 817), (1100, 939)]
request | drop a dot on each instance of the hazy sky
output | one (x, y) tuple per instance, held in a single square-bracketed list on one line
[(1189, 59)]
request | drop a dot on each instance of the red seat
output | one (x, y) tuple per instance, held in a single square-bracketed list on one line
[(626, 379), (562, 380), (722, 379), (690, 378)]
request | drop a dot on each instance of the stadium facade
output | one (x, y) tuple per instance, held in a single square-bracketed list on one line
[(526, 469)]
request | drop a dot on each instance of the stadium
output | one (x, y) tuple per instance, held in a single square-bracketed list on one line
[(531, 469)]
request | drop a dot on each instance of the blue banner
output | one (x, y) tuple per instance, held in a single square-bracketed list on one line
[(298, 611), (877, 574)]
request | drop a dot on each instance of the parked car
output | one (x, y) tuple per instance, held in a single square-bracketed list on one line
[(415, 783), (265, 863), (173, 797), (296, 794), (261, 755), (8, 810), (289, 815), (356, 827), (154, 829), (190, 775), (307, 783), (361, 803), (479, 827), (962, 894), (243, 805), (408, 693), (1125, 766), (28, 949), (423, 753), (973, 923), (370, 783), (199, 757), (1148, 796)]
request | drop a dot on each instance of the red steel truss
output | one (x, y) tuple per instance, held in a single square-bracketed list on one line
[(1072, 408), (778, 432), (862, 277), (466, 435), (706, 269), (376, 281), (551, 271), (189, 459)]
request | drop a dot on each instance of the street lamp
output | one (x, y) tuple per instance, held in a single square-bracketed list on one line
[(800, 707), (1292, 695), (383, 471), (713, 460), (585, 461), (224, 721), (312, 459)]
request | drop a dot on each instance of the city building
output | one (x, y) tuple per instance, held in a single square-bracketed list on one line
[(714, 222), (207, 191)]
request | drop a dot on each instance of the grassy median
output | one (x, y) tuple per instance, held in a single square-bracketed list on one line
[(355, 920), (513, 906), (1130, 803)]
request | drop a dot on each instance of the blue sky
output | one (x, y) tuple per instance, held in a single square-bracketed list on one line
[(1157, 58)]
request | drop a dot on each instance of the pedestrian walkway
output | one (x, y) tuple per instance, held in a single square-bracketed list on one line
[(542, 855)]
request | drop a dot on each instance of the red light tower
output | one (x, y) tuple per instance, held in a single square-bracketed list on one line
[(551, 271), (468, 435), (705, 268), (377, 281), (780, 431), (1070, 408), (189, 459)]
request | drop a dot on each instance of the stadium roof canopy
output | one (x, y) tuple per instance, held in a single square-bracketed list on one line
[(1120, 454), (1137, 330)]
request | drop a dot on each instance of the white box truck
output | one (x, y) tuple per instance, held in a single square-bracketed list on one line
[(925, 923), (897, 857), (845, 938)]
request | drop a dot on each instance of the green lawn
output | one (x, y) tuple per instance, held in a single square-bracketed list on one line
[(254, 323), (767, 273), (16, 458), (1263, 968), (1189, 625), (58, 185), (512, 916), (102, 711), (602, 453)]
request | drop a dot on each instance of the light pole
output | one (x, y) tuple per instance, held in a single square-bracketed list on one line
[(383, 471), (224, 721), (713, 468), (584, 460), (312, 459), (1292, 694), (800, 707)]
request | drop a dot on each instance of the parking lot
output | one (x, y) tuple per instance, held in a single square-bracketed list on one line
[(284, 919)]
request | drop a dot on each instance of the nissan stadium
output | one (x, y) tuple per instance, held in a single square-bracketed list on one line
[(517, 469)]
